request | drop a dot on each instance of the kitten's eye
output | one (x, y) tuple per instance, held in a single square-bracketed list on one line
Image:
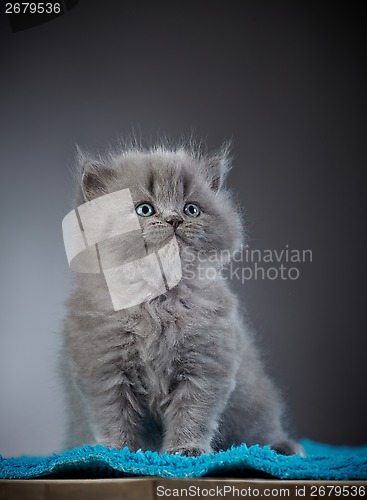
[(145, 210), (192, 209)]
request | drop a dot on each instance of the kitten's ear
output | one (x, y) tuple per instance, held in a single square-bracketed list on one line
[(94, 175), (217, 167)]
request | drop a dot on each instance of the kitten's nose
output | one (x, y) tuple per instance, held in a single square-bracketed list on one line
[(174, 220)]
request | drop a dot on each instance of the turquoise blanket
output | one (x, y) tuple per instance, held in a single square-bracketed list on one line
[(322, 462)]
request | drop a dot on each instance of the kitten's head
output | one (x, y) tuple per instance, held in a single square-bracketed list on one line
[(176, 191)]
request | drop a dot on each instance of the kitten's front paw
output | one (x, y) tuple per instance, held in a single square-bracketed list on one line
[(188, 451), (289, 447)]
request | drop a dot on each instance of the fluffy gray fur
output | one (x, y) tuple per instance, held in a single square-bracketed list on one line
[(179, 373)]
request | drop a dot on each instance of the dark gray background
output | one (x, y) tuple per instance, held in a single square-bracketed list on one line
[(285, 81)]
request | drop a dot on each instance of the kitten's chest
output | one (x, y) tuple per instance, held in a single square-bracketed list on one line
[(160, 347)]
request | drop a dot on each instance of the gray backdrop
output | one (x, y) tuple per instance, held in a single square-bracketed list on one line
[(285, 81)]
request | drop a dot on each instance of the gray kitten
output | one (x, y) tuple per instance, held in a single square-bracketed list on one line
[(178, 373)]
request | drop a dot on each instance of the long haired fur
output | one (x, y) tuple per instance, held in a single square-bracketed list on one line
[(179, 373)]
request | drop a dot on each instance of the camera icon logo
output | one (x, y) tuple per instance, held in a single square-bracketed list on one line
[(104, 236)]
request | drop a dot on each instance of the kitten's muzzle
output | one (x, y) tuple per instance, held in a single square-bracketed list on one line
[(174, 220)]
